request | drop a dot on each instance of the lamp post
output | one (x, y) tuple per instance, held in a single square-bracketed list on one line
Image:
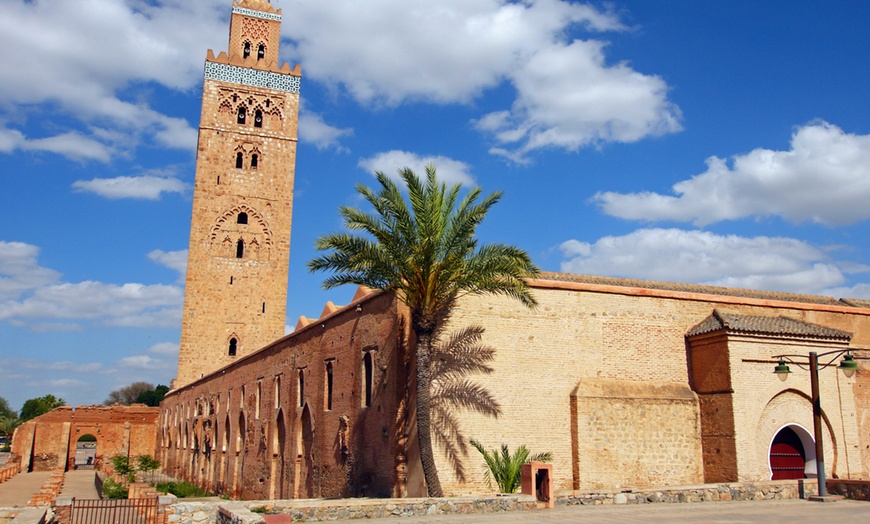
[(847, 365)]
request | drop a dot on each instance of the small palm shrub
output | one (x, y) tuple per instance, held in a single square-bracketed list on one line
[(505, 467)]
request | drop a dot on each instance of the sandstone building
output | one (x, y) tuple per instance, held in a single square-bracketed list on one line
[(236, 290), (627, 383)]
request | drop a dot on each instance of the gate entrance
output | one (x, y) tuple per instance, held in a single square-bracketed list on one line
[(788, 459)]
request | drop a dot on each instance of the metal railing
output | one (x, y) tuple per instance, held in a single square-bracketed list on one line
[(130, 511)]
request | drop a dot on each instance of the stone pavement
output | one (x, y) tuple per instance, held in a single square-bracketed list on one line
[(765, 511), (20, 488), (79, 484)]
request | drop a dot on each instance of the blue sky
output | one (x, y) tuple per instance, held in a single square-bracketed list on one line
[(722, 143)]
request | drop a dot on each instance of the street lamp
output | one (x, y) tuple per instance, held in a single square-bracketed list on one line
[(847, 365)]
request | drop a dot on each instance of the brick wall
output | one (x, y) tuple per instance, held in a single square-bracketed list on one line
[(49, 441), (293, 444)]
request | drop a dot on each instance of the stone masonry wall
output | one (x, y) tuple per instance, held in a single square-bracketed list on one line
[(607, 332)]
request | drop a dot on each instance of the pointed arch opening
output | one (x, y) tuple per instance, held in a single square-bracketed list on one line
[(258, 118), (261, 52), (792, 454), (246, 50), (233, 347), (240, 249), (240, 160), (242, 218), (242, 115)]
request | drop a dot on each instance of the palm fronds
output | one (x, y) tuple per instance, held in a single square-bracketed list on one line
[(504, 467)]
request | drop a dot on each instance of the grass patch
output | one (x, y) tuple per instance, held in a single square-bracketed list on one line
[(182, 489)]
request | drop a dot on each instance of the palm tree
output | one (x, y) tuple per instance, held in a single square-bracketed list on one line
[(428, 256)]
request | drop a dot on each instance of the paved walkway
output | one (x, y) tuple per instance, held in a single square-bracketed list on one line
[(18, 490), (767, 512), (79, 484)]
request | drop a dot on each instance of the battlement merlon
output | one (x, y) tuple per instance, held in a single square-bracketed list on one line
[(252, 63), (258, 7), (239, 71)]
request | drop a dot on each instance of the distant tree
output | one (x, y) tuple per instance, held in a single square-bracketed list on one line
[(128, 394), (8, 425), (5, 410), (147, 464), (153, 397), (39, 406)]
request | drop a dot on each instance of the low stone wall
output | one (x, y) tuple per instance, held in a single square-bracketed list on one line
[(49, 491), (328, 510), (851, 489), (8, 471), (224, 512), (785, 489)]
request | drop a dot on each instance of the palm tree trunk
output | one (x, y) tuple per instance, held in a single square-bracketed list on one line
[(424, 434)]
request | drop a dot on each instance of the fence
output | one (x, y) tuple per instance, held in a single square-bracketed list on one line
[(131, 511)]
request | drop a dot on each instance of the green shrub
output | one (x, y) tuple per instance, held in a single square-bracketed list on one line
[(505, 468), (113, 490), (182, 489), (259, 509)]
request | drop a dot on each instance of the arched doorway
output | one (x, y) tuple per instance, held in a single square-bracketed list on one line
[(792, 454), (86, 452)]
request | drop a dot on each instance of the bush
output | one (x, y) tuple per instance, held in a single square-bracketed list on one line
[(113, 490), (505, 467), (182, 489)]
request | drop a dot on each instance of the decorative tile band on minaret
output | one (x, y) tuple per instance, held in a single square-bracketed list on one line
[(252, 77)]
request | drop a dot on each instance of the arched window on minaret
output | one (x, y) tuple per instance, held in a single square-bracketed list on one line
[(258, 118), (255, 161), (240, 160), (247, 50), (242, 218), (261, 52), (234, 345), (243, 113), (240, 248)]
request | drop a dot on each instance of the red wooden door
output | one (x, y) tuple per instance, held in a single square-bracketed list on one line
[(787, 459)]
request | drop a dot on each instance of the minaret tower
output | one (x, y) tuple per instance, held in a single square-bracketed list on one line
[(237, 266)]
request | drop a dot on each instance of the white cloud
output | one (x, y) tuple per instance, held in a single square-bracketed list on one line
[(174, 260), (166, 349), (33, 296), (20, 272), (313, 130), (451, 51), (85, 56), (569, 98), (674, 255), (73, 145), (143, 187), (823, 178), (449, 170)]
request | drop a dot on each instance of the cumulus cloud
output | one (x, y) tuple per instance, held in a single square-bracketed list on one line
[(174, 260), (73, 145), (674, 255), (449, 170), (20, 272), (823, 178), (313, 130), (34, 296), (142, 187), (84, 56), (451, 51)]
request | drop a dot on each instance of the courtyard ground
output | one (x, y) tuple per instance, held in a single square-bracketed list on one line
[(767, 512)]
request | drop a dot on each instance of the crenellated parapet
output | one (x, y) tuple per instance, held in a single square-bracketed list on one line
[(261, 6), (251, 72)]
